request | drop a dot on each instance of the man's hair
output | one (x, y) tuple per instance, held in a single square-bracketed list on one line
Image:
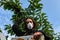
[(34, 22)]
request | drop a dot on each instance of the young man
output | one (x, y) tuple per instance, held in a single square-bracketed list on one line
[(30, 27)]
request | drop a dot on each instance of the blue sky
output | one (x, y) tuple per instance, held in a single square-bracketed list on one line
[(50, 7), (5, 17)]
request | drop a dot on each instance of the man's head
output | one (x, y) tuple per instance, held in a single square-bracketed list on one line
[(30, 23)]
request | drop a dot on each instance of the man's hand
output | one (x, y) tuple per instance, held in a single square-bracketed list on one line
[(19, 39)]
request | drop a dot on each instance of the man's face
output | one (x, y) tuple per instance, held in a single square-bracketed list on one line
[(29, 21)]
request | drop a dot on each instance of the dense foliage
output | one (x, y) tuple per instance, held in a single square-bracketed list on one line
[(57, 36), (33, 10)]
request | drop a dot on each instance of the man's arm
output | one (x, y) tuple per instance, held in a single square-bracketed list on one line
[(16, 30)]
